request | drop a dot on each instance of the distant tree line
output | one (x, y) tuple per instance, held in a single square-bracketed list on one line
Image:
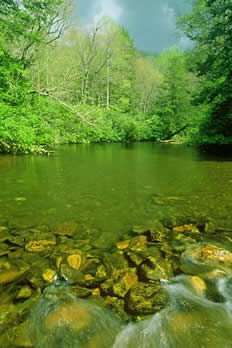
[(63, 83)]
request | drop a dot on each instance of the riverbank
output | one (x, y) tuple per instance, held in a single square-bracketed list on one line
[(37, 126)]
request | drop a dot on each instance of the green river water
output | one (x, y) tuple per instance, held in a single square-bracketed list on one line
[(116, 246), (111, 187)]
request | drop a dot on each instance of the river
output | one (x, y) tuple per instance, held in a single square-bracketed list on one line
[(116, 245), (112, 187)]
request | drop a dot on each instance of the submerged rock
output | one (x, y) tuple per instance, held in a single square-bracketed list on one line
[(114, 262), (136, 257), (20, 336), (139, 229), (215, 274), (8, 316), (48, 275), (118, 306), (74, 261), (96, 292), (156, 269), (186, 228), (24, 293), (182, 242), (125, 283), (198, 285), (138, 243), (101, 273), (145, 298), (210, 254), (61, 319), (79, 291), (72, 314), (4, 234), (123, 245), (71, 275), (11, 275), (66, 229), (39, 246), (157, 232)]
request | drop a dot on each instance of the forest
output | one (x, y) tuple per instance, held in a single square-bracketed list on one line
[(61, 82)]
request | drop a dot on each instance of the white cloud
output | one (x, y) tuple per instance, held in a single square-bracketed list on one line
[(170, 16), (108, 8)]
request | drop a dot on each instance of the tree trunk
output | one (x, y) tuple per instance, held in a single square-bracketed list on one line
[(176, 132), (108, 83)]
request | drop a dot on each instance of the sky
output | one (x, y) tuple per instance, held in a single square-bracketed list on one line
[(151, 23)]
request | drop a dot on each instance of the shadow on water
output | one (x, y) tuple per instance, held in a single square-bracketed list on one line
[(216, 152), (191, 320)]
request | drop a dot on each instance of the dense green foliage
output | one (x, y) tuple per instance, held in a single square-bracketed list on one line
[(210, 27), (75, 85)]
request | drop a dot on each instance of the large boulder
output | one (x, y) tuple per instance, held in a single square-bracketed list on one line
[(9, 272), (125, 282), (156, 269), (145, 298), (61, 318), (205, 257), (211, 254)]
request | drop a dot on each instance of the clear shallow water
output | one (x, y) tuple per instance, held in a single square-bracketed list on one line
[(112, 187), (60, 320)]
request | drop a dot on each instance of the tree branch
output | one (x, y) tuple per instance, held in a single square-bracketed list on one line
[(176, 132), (47, 93)]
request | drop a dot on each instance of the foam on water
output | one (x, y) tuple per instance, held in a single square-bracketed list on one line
[(190, 320), (60, 320)]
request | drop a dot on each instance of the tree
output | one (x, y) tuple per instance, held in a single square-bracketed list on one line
[(122, 68), (27, 24), (148, 80), (209, 26), (174, 101)]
